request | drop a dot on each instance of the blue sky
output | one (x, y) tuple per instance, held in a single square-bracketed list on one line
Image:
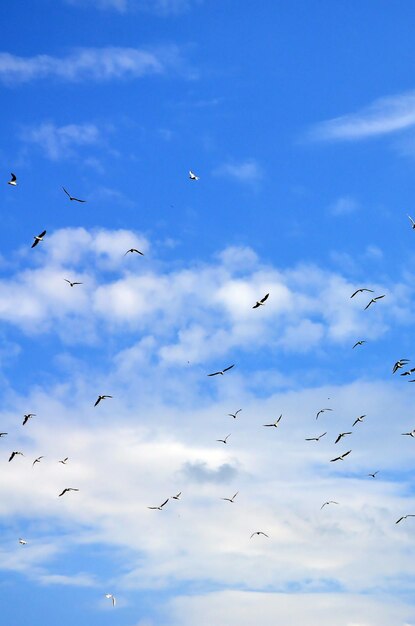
[(300, 122)]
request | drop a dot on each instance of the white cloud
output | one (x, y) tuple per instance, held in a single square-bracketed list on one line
[(59, 142), (344, 206), (89, 64), (385, 115), (158, 7), (245, 172)]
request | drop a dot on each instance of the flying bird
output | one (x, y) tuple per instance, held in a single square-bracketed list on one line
[(3, 434), (411, 434), (111, 597), (374, 474), (274, 424), (13, 454), (403, 517), (316, 438), (222, 371), (158, 508), (66, 490), (359, 419), (101, 398), (38, 238), (64, 460), (341, 457), (260, 302), (399, 364), (193, 176), (37, 460), (231, 499), (361, 291), (412, 221), (28, 417), (328, 502), (259, 532), (22, 542), (134, 250), (224, 440), (177, 496), (341, 435), (234, 414), (72, 197), (72, 283), (13, 180), (359, 343), (373, 301), (322, 411)]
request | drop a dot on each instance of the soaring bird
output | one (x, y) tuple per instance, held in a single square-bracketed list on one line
[(403, 517), (408, 372), (22, 542), (38, 238), (231, 499), (399, 364), (111, 597), (274, 424), (177, 496), (3, 434), (412, 221), (322, 411), (158, 508), (134, 250), (64, 461), (234, 414), (37, 460), (411, 434), (260, 302), (101, 398), (316, 438), (358, 419), (222, 371), (361, 291), (13, 454), (224, 440), (193, 176), (373, 301), (72, 283), (359, 343), (374, 474), (67, 489), (72, 197), (328, 502), (28, 417), (13, 180), (259, 532), (341, 435), (341, 457)]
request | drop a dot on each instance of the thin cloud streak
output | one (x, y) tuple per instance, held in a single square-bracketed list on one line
[(162, 8), (384, 116)]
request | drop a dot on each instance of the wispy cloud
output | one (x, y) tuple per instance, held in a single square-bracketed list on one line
[(344, 206), (245, 172), (59, 142), (158, 7), (96, 64), (381, 117)]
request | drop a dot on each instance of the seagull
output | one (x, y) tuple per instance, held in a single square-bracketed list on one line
[(328, 502), (231, 499), (399, 364), (361, 291), (322, 411), (403, 517), (359, 419), (158, 508), (316, 438), (359, 343), (67, 489), (341, 457), (411, 434), (13, 180), (258, 532), (38, 238), (71, 283), (64, 460), (22, 542), (409, 372), (275, 424), (373, 300), (374, 474), (193, 176), (134, 250), (37, 460), (234, 414), (412, 221), (13, 454), (260, 302), (3, 434), (27, 417), (342, 435), (110, 596), (177, 496), (224, 440), (72, 197), (223, 371), (101, 398)]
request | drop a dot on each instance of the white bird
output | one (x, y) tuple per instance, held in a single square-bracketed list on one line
[(177, 496), (193, 176), (412, 221), (231, 499), (67, 490), (22, 542), (101, 398), (316, 438), (341, 457), (13, 180), (158, 508), (111, 597), (403, 517), (224, 440), (358, 419), (37, 460), (411, 433), (64, 461), (328, 502), (38, 238), (274, 424)]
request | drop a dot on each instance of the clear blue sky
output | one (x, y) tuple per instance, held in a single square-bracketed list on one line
[(299, 121)]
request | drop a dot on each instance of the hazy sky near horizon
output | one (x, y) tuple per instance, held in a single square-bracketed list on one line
[(299, 119)]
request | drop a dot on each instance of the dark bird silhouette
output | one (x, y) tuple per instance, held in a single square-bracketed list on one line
[(177, 496), (66, 490), (374, 474), (328, 502), (260, 302), (412, 221), (222, 371), (359, 343), (72, 197), (274, 424), (373, 301), (224, 440), (72, 283), (38, 238), (316, 438), (234, 414), (411, 434), (3, 434), (13, 454), (158, 508), (358, 419), (231, 499), (134, 250), (399, 364), (361, 291), (403, 517), (322, 411), (101, 398), (341, 457), (13, 180), (37, 460), (28, 417), (64, 461), (193, 176), (259, 532), (341, 435)]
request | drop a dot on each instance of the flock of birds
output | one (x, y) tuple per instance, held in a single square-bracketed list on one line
[(400, 364)]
